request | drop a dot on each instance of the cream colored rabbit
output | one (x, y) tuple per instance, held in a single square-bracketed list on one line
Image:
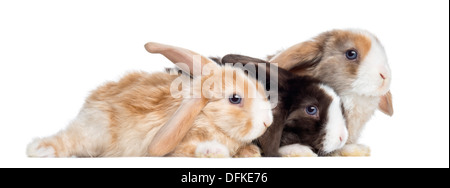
[(138, 116)]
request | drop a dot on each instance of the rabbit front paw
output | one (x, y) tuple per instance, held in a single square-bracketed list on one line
[(354, 150), (296, 150), (247, 151), (212, 149)]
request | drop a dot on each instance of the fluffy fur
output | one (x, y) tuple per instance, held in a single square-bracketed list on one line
[(363, 84), (250, 150), (323, 133), (122, 118), (297, 150), (335, 127)]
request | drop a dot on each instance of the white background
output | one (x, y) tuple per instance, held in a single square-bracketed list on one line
[(53, 53)]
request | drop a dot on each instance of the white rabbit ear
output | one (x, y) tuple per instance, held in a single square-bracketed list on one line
[(173, 132), (386, 105), (180, 55)]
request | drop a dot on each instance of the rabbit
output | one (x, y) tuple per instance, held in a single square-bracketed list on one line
[(308, 117), (297, 132), (138, 117), (354, 64)]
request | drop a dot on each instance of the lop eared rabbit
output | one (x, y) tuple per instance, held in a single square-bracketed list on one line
[(354, 64), (308, 117), (137, 116)]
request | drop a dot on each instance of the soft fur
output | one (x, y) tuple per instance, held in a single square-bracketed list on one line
[(323, 133), (122, 118), (363, 84)]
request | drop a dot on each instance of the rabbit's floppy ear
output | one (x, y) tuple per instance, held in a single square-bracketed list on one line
[(177, 55), (234, 58), (271, 76), (270, 68), (300, 57), (259, 65), (386, 105), (173, 132)]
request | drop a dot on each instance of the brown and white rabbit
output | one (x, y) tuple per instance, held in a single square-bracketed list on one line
[(308, 117), (138, 116), (354, 64)]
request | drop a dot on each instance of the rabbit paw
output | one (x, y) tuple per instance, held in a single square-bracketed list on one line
[(36, 149), (247, 151), (212, 150), (354, 150), (296, 150)]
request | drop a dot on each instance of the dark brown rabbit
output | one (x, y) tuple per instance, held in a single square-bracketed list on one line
[(308, 115)]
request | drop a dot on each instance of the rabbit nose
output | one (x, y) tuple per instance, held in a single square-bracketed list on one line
[(343, 137), (267, 123), (268, 120)]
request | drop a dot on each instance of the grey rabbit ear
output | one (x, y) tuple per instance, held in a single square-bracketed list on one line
[(269, 68), (218, 60), (234, 58), (271, 76)]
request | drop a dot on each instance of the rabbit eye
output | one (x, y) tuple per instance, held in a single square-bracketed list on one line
[(235, 99), (311, 110), (351, 54)]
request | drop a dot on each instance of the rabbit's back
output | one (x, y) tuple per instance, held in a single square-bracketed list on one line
[(136, 106)]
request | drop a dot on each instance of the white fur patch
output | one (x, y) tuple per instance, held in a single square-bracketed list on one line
[(33, 150), (369, 81), (336, 130), (91, 128), (296, 150), (360, 109), (212, 149), (261, 114)]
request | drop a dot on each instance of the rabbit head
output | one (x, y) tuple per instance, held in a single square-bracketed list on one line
[(350, 61), (236, 104), (307, 111)]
